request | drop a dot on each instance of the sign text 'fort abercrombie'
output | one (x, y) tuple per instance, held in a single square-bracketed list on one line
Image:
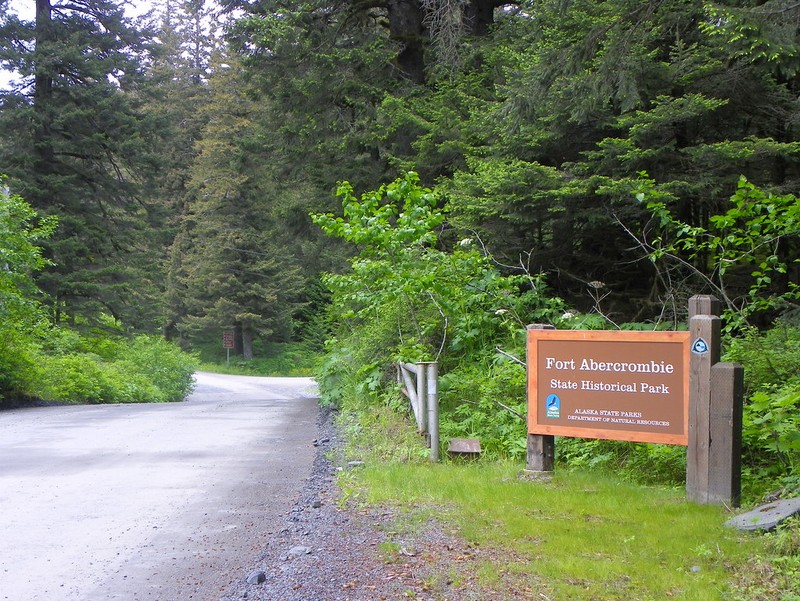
[(616, 385)]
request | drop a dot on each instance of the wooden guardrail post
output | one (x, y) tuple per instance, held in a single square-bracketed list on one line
[(541, 452), (431, 375)]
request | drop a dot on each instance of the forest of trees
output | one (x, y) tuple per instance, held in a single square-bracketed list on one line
[(182, 152)]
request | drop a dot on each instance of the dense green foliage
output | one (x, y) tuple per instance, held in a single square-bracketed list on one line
[(771, 432), (747, 255), (405, 299), (110, 369), (52, 363), (21, 316)]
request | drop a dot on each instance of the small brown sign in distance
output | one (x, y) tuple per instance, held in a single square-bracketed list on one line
[(618, 385), (228, 340)]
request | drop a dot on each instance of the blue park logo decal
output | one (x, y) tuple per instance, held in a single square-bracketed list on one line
[(553, 404), (700, 347)]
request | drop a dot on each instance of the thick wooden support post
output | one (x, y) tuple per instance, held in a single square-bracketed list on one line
[(704, 304), (541, 447), (705, 352), (725, 454), (541, 453)]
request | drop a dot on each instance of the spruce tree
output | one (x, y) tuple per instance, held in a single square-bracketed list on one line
[(231, 267), (77, 146)]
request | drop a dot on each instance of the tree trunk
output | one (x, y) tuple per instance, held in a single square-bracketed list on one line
[(43, 81), (406, 27), (247, 343), (43, 87), (479, 16)]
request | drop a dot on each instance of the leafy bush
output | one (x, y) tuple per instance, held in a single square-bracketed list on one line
[(744, 255), (771, 420), (18, 363), (486, 402), (168, 368), (408, 297), (21, 316), (331, 373), (142, 369), (73, 378), (770, 358)]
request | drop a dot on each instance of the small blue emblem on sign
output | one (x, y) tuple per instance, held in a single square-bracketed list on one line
[(700, 347), (553, 404)]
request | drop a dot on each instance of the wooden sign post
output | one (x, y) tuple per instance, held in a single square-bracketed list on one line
[(541, 447), (713, 457), (228, 342)]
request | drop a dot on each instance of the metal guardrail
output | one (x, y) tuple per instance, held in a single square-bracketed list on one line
[(420, 382)]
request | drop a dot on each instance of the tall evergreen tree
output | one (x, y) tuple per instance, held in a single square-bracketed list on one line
[(177, 94), (77, 146), (230, 267)]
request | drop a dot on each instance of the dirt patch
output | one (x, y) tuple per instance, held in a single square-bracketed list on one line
[(331, 550)]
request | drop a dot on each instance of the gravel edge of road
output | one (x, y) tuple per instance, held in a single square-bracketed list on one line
[(331, 549)]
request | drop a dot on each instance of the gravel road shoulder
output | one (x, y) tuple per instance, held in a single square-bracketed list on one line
[(331, 550)]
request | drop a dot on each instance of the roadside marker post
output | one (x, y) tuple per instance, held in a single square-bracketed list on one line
[(228, 342)]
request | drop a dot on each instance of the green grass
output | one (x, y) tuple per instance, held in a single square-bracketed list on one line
[(585, 535), (578, 536)]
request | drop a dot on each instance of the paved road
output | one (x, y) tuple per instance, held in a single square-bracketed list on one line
[(150, 502)]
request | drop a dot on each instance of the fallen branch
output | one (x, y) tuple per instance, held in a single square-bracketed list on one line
[(512, 357)]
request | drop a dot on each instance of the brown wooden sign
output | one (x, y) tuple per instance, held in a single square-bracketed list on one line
[(615, 385)]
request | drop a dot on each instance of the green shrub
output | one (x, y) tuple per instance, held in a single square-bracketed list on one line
[(330, 374), (21, 315), (169, 369), (138, 370), (771, 420), (486, 402), (410, 297), (72, 378), (18, 363), (770, 358)]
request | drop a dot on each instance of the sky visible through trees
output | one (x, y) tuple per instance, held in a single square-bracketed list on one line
[(26, 9)]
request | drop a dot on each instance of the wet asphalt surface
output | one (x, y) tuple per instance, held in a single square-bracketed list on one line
[(162, 502)]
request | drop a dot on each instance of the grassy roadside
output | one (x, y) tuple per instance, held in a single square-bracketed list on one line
[(276, 359), (578, 536)]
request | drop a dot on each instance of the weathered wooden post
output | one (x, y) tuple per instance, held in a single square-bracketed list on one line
[(725, 455), (422, 399), (432, 391), (541, 453), (713, 456)]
